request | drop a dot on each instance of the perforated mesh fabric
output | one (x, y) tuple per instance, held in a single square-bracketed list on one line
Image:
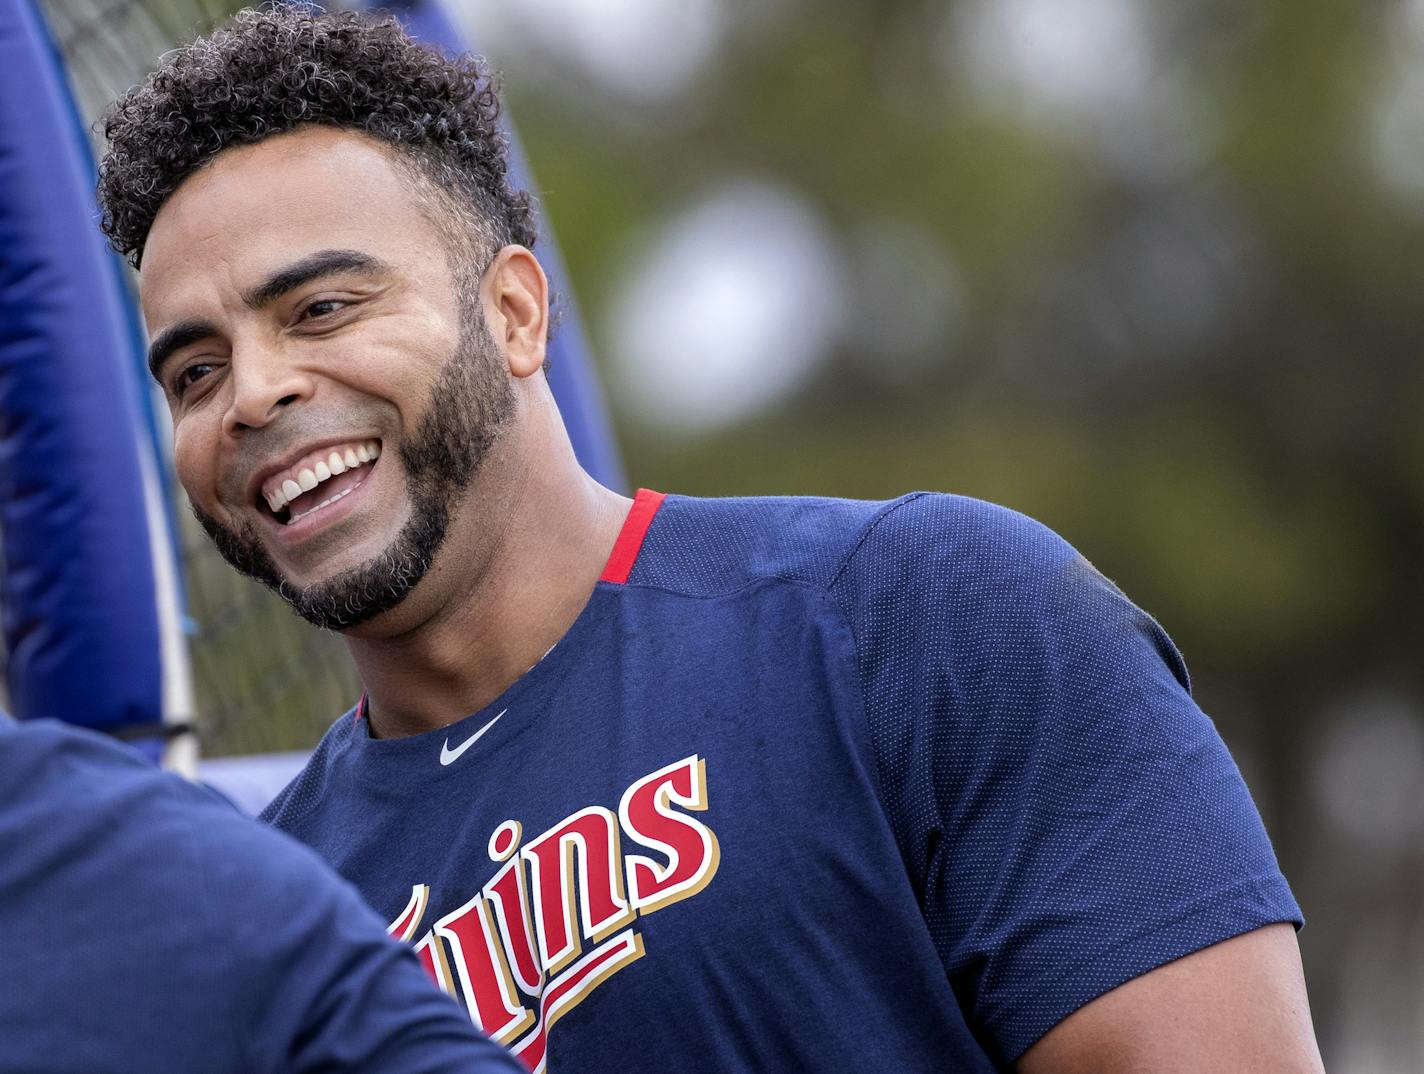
[(1068, 817)]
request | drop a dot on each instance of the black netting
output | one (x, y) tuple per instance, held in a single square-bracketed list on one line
[(264, 680)]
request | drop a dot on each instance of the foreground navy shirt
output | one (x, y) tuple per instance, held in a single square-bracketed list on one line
[(808, 785), (146, 926)]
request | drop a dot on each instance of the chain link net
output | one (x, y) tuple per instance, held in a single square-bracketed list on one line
[(264, 680)]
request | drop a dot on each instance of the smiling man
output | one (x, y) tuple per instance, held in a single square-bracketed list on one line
[(662, 784)]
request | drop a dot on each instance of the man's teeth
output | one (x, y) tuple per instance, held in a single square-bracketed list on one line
[(309, 477)]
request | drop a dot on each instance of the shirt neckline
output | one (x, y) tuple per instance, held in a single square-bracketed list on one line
[(631, 536), (616, 570)]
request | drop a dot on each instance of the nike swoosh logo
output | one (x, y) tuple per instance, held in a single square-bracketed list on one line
[(449, 756)]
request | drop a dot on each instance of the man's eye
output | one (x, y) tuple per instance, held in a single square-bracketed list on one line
[(323, 308), (190, 375)]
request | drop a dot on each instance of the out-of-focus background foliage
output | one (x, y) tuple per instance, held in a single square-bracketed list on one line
[(1148, 272)]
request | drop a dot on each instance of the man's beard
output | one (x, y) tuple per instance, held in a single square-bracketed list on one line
[(469, 404)]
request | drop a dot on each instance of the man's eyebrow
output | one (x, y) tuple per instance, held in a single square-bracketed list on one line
[(311, 267), (314, 266), (175, 338)]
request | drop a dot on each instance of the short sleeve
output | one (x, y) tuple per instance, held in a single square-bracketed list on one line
[(322, 987), (1068, 815)]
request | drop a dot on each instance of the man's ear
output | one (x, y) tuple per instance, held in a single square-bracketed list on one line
[(516, 300)]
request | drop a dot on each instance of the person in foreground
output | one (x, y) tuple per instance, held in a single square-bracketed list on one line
[(150, 927), (668, 784)]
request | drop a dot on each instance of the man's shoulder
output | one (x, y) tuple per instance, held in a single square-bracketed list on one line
[(943, 543), (92, 834), (718, 545), (50, 767), (78, 786)]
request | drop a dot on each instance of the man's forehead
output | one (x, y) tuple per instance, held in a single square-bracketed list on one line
[(311, 166), (256, 207)]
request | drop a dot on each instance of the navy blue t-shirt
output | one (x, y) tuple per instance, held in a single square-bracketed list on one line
[(146, 926), (808, 785)]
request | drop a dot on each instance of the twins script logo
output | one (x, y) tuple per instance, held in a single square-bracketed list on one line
[(559, 917)]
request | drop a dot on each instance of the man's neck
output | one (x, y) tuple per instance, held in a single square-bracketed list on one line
[(508, 609)]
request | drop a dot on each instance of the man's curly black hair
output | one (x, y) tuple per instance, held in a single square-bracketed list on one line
[(269, 71)]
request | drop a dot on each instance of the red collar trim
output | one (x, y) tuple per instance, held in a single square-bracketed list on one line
[(630, 539), (625, 549)]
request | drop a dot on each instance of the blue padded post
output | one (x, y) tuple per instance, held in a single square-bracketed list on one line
[(89, 590)]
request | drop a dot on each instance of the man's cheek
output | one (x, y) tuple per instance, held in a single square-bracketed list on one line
[(194, 473)]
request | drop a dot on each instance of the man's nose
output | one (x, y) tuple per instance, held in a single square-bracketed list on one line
[(264, 382)]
